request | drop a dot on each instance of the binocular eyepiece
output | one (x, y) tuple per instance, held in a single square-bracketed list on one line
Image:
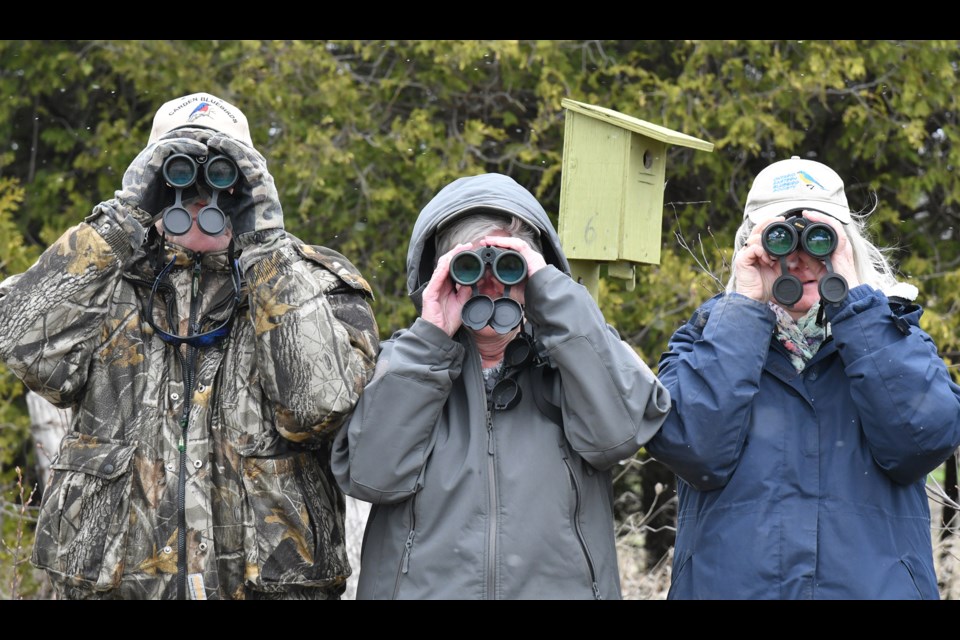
[(507, 266), (181, 171), (817, 239)]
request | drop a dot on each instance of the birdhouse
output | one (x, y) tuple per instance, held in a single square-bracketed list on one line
[(611, 190)]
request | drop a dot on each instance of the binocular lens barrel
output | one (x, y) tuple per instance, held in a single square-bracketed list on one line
[(779, 239), (221, 172), (819, 240), (816, 238), (510, 267), (180, 171), (467, 267)]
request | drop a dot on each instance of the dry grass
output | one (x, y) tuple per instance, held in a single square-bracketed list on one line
[(638, 582)]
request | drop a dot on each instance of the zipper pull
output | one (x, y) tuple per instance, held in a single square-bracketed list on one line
[(183, 429), (196, 275), (489, 431), (596, 592), (408, 545)]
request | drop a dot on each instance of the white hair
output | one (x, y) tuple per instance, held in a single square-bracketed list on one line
[(474, 226)]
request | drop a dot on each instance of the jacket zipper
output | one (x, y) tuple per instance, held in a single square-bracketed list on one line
[(492, 502), (407, 546), (188, 373), (576, 525)]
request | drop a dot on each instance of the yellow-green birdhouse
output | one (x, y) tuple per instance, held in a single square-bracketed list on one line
[(611, 190)]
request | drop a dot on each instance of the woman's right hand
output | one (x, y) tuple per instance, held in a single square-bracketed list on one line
[(443, 299), (756, 270)]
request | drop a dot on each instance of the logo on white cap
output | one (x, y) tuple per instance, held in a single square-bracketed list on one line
[(201, 110), (795, 184)]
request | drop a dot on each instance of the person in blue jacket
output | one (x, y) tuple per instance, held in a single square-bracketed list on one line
[(802, 435)]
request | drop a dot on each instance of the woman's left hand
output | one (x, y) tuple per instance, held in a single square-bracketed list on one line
[(534, 258), (842, 257)]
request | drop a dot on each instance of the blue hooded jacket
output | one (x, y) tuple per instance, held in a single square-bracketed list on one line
[(805, 485)]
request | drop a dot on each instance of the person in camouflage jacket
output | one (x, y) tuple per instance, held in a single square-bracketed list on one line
[(208, 375)]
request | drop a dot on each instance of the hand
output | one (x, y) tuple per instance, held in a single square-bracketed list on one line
[(443, 299), (535, 261), (756, 269), (842, 257), (143, 189), (253, 204)]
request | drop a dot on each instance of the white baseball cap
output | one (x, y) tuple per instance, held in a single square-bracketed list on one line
[(794, 184), (201, 110)]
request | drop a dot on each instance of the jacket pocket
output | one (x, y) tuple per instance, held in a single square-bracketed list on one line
[(404, 567), (925, 589), (294, 532), (681, 581), (576, 498), (84, 517)]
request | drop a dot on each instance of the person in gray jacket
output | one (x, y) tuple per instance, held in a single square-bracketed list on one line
[(486, 438)]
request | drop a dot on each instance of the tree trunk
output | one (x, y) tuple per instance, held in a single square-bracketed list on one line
[(48, 425)]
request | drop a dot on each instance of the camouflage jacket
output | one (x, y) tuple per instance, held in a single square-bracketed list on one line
[(191, 472)]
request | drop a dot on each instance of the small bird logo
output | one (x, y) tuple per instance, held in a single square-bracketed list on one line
[(808, 180), (202, 109)]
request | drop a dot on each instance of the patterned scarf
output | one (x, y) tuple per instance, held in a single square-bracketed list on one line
[(801, 338), (490, 375)]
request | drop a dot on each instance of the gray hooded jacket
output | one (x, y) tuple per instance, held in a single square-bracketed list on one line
[(475, 502)]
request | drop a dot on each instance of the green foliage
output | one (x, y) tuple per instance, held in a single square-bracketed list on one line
[(360, 135), (14, 258), (16, 533)]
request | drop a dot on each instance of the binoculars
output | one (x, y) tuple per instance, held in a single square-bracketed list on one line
[(817, 239), (467, 267), (507, 266), (181, 171), (519, 352)]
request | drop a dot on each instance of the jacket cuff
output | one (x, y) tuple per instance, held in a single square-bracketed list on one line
[(858, 300), (118, 227)]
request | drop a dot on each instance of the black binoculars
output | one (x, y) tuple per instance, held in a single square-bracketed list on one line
[(509, 267), (817, 239), (181, 171), (519, 353)]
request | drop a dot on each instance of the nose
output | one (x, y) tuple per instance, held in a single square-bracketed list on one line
[(489, 285), (800, 260)]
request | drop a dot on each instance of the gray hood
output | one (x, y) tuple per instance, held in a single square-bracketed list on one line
[(490, 191)]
